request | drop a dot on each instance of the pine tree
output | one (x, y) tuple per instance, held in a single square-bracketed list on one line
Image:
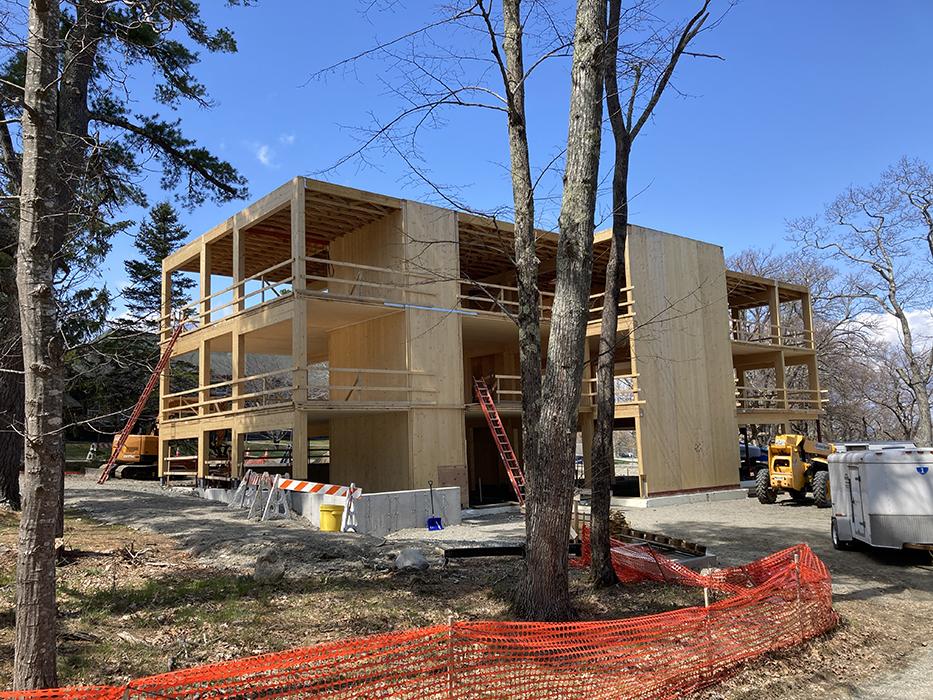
[(159, 235)]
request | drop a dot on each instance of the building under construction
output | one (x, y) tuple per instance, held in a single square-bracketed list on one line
[(359, 321)]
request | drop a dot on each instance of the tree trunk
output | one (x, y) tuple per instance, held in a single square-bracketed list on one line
[(526, 259), (603, 453), (546, 594), (35, 652), (916, 381)]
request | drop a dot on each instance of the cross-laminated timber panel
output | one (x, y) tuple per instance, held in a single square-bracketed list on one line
[(687, 428)]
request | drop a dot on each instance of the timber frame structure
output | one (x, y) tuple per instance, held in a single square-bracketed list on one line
[(360, 320)]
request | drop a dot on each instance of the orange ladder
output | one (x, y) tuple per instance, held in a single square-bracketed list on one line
[(512, 467), (107, 469)]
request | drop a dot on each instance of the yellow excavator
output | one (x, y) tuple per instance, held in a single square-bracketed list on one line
[(796, 465), (138, 458)]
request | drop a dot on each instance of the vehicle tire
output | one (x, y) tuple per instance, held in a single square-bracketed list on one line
[(821, 489), (838, 543), (798, 496), (763, 489)]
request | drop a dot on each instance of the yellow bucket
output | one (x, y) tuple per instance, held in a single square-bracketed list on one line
[(330, 518)]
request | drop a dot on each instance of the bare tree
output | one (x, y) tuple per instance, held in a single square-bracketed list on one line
[(546, 593), (35, 659), (912, 179), (645, 68), (433, 73), (876, 233), (70, 184)]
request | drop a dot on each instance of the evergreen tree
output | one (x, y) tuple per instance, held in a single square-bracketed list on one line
[(159, 235), (82, 149)]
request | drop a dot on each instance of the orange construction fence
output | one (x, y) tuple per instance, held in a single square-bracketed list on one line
[(774, 603)]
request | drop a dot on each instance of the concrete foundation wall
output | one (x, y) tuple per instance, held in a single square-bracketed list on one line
[(377, 514)]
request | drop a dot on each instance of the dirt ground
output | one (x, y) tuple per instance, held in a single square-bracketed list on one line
[(157, 580)]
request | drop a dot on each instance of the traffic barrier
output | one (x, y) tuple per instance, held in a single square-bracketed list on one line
[(246, 491), (262, 491), (771, 604), (277, 505)]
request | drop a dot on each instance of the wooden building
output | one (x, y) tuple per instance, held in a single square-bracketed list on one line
[(359, 321)]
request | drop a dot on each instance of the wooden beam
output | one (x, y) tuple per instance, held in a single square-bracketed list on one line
[(299, 251), (205, 285), (236, 453), (300, 445), (239, 265)]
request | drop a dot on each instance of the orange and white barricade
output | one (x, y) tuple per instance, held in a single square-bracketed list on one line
[(277, 505), (246, 491), (266, 485)]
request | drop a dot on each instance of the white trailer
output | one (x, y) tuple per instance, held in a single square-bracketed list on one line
[(883, 497)]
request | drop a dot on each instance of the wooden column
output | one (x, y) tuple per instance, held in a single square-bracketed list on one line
[(163, 447), (587, 418), (237, 367), (813, 383), (236, 452), (239, 266), (166, 321), (740, 386), (300, 445), (299, 303), (165, 327), (205, 287), (780, 380), (807, 312), (203, 452), (774, 308), (204, 375), (299, 332), (299, 250)]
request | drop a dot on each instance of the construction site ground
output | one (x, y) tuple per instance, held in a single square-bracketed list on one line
[(153, 580)]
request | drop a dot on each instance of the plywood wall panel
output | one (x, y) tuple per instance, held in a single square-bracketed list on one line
[(371, 451), (681, 345)]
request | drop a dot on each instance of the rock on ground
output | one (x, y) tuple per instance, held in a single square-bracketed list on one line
[(269, 567), (411, 559)]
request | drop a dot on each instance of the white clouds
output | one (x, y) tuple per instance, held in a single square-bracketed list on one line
[(265, 155), (888, 329)]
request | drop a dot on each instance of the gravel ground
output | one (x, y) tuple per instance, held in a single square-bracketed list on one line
[(884, 645), (882, 649)]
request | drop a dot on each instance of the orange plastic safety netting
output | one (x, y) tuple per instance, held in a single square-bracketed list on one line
[(773, 603)]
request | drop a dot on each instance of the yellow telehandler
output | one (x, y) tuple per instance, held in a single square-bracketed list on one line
[(796, 465)]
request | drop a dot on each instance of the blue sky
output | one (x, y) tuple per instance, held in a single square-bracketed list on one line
[(812, 96)]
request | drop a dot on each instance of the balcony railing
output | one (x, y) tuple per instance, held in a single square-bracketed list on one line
[(253, 291), (626, 389), (336, 386), (328, 279), (337, 279), (484, 298), (745, 332), (507, 388), (373, 387), (625, 308), (266, 390), (778, 399)]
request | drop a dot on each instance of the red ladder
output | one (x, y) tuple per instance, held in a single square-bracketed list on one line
[(107, 469), (512, 467)]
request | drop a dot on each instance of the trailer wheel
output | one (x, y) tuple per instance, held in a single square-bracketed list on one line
[(821, 489), (838, 543), (763, 489)]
